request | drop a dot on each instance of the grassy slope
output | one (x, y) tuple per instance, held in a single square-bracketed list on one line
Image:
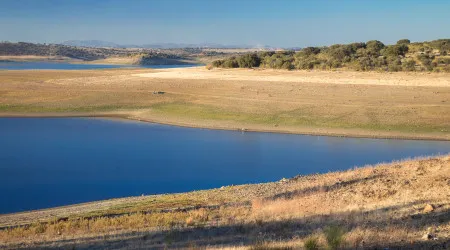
[(379, 206)]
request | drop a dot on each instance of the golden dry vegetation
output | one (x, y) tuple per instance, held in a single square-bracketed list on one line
[(402, 204), (368, 104)]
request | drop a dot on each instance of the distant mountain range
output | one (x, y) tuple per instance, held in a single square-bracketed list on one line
[(106, 44), (91, 43)]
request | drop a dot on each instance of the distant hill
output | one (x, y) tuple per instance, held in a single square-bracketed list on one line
[(22, 48), (194, 45), (92, 44), (106, 44), (136, 56)]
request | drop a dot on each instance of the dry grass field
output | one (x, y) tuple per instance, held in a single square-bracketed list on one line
[(402, 204), (343, 103)]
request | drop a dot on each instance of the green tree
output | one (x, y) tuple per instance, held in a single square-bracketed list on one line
[(249, 61), (403, 41), (374, 47), (395, 50)]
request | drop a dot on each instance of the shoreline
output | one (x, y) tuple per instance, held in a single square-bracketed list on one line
[(384, 193), (256, 130)]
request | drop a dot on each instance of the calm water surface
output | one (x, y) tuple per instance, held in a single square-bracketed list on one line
[(73, 66), (46, 162)]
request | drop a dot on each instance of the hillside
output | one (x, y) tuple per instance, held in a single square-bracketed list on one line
[(88, 54), (397, 205), (361, 56), (30, 51)]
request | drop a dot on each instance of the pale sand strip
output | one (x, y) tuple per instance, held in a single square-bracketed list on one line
[(333, 77)]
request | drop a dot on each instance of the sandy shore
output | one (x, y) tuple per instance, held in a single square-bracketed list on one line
[(304, 131)]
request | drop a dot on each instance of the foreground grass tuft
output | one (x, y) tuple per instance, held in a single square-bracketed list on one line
[(334, 236)]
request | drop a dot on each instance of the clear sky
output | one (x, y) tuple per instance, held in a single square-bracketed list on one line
[(281, 23)]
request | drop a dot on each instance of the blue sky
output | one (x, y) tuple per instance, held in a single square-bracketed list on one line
[(281, 23)]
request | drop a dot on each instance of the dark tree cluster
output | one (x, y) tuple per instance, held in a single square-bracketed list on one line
[(371, 55)]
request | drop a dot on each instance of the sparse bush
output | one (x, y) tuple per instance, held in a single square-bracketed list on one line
[(394, 64), (409, 65), (334, 236), (40, 228), (312, 243), (426, 60)]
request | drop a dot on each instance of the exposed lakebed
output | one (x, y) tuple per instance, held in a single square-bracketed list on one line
[(46, 162)]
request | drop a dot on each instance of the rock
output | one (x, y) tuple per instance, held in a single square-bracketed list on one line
[(427, 236), (284, 180), (428, 208)]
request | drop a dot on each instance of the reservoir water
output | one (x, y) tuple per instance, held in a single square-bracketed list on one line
[(73, 66), (46, 162)]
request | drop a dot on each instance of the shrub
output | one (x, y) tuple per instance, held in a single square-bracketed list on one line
[(409, 65), (334, 236), (374, 47), (217, 63), (440, 44), (427, 61), (230, 63), (403, 41), (372, 55), (312, 243), (365, 63), (310, 51), (248, 61), (278, 61), (395, 50), (40, 228)]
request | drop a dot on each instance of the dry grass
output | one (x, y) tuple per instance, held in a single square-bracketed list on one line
[(374, 206), (407, 105)]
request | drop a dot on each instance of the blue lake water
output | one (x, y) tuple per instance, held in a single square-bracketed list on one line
[(74, 66), (46, 162)]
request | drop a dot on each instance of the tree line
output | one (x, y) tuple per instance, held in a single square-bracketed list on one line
[(362, 56)]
